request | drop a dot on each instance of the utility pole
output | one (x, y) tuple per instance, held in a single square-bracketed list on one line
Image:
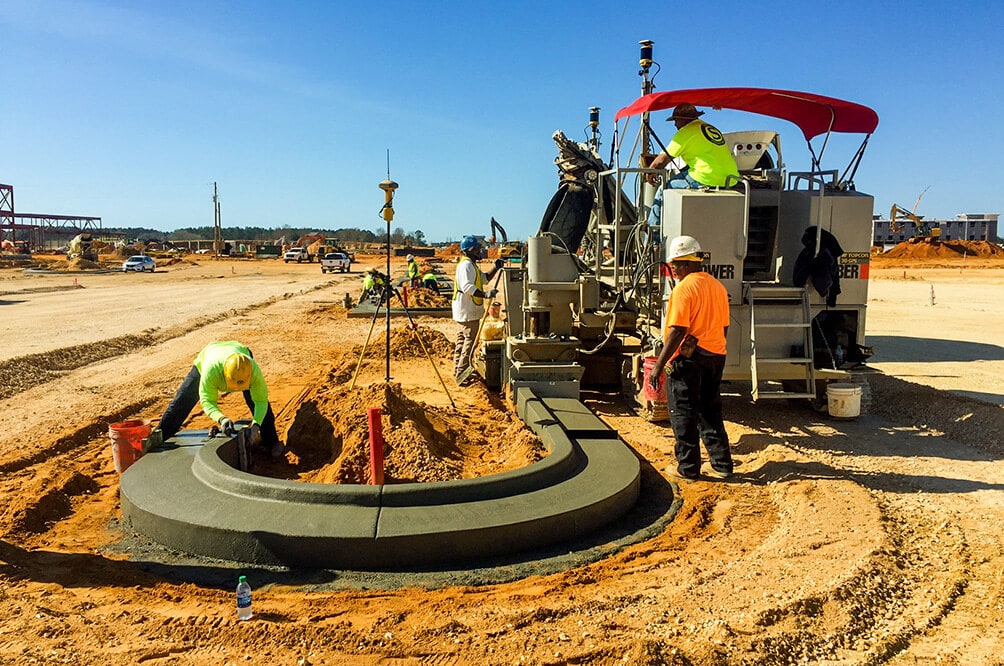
[(217, 228)]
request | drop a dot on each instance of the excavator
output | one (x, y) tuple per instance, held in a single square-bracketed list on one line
[(510, 251), (923, 231)]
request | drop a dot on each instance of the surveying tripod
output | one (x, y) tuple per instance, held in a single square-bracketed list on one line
[(387, 293)]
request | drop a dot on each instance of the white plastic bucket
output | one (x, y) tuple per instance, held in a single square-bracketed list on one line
[(843, 400)]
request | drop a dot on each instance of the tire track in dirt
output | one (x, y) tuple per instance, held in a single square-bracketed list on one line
[(26, 372)]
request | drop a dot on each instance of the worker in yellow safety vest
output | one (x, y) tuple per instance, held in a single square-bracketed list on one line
[(413, 274), (468, 302)]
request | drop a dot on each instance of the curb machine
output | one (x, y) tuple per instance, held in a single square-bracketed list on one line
[(587, 306)]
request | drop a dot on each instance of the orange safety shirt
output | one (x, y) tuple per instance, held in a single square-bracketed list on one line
[(699, 303)]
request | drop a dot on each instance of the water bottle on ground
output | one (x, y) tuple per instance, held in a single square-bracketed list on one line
[(243, 599)]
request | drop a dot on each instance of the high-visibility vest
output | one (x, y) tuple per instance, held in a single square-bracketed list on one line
[(477, 283)]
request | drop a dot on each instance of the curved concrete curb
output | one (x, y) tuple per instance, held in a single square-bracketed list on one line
[(188, 495)]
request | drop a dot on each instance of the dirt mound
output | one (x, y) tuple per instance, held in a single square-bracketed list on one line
[(122, 253), (426, 298), (405, 344), (944, 250), (78, 264), (450, 251), (328, 440)]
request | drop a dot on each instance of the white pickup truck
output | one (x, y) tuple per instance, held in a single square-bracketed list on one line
[(335, 261), (297, 254)]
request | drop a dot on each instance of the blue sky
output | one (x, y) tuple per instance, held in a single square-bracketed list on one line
[(130, 111)]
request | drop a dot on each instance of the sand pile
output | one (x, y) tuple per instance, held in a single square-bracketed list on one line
[(404, 343), (944, 250), (328, 439), (78, 264), (426, 298)]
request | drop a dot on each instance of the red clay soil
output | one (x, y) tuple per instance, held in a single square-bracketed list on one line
[(927, 249)]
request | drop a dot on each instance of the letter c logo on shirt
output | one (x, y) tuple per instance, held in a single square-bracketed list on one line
[(712, 134)]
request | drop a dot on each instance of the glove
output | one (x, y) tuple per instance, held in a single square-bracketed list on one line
[(254, 435), (655, 379), (229, 429), (491, 293), (499, 263)]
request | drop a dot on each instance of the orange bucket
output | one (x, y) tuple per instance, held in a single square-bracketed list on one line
[(660, 394), (127, 442)]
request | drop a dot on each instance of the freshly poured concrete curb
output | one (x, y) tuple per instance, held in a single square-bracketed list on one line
[(188, 495)]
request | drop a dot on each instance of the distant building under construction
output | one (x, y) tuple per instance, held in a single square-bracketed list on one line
[(965, 226), (41, 230)]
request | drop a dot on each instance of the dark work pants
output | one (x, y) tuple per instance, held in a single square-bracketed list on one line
[(695, 412), (187, 398)]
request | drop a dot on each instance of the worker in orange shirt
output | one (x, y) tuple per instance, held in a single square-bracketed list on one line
[(693, 354)]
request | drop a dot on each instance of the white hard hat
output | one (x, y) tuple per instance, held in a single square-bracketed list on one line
[(410, 257), (684, 248)]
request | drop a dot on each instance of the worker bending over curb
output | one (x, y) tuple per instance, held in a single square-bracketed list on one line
[(223, 367)]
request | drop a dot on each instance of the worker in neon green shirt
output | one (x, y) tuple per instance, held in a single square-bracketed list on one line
[(223, 367), (702, 147), (413, 272)]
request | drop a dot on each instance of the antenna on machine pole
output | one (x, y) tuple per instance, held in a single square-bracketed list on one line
[(645, 62)]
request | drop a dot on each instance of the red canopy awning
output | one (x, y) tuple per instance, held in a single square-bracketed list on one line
[(814, 114)]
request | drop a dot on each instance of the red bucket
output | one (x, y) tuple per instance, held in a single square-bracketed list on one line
[(657, 395), (127, 442)]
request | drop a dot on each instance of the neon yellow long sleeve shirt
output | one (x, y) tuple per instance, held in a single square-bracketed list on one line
[(212, 382)]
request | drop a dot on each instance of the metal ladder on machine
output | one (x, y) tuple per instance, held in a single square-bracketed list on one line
[(791, 299)]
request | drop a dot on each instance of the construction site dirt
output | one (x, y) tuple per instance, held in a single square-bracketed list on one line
[(871, 540)]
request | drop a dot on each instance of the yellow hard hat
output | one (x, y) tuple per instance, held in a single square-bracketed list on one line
[(237, 372)]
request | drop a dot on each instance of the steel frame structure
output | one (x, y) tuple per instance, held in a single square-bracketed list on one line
[(37, 227)]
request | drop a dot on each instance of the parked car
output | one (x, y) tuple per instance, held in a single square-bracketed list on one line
[(139, 263), (335, 261)]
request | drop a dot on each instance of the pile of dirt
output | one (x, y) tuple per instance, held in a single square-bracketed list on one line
[(450, 251), (122, 252), (404, 343), (944, 250), (426, 298), (328, 440), (79, 264)]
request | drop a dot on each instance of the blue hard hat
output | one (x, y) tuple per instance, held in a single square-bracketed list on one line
[(469, 243)]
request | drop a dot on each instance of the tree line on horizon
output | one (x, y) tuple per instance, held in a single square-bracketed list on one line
[(271, 235)]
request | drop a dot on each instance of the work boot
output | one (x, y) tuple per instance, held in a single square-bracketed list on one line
[(278, 451), (718, 474), (673, 472)]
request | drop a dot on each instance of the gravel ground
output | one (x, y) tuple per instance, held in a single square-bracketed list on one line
[(875, 540)]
